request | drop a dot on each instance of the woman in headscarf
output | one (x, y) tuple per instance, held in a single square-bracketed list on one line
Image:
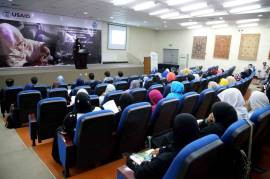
[(223, 82), (231, 80), (170, 77), (155, 96), (79, 82), (109, 88), (165, 72), (177, 90), (134, 84), (212, 85), (60, 79), (222, 116), (257, 100), (197, 77), (234, 97), (185, 130)]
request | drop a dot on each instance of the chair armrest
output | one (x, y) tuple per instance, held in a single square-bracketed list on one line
[(66, 149), (32, 125), (124, 172)]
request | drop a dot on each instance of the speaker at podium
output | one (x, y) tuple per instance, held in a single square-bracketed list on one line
[(80, 59)]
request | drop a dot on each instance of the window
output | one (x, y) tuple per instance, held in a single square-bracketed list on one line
[(117, 37)]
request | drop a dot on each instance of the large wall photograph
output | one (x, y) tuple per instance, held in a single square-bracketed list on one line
[(37, 44)]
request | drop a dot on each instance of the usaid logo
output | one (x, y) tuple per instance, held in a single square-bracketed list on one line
[(9, 14), (94, 24)]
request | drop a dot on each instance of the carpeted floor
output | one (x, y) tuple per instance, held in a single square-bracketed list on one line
[(43, 150)]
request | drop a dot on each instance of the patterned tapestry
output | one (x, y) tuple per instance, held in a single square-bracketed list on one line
[(222, 46), (199, 47), (249, 46)]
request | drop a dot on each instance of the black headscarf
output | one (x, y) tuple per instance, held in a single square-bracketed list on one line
[(224, 114), (83, 103), (125, 100), (185, 130)]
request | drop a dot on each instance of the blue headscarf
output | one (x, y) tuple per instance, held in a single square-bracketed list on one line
[(60, 79), (79, 82), (165, 72), (177, 90), (29, 86)]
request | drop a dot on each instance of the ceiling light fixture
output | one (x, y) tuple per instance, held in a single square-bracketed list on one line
[(214, 22), (195, 6), (85, 13), (161, 11), (247, 21), (169, 15), (188, 23), (245, 8), (260, 15), (195, 27), (249, 25), (144, 6), (202, 12), (219, 26), (177, 2), (180, 17), (238, 3), (121, 2)]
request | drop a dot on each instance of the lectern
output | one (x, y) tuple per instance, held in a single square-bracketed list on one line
[(80, 59)]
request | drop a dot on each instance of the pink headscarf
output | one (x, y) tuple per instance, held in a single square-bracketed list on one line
[(155, 96)]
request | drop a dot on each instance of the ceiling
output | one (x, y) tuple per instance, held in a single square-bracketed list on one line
[(104, 10)]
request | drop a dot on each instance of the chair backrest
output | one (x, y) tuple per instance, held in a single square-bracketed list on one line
[(76, 89), (261, 119), (199, 159), (50, 115), (147, 84), (181, 78), (139, 94), (220, 89), (63, 86), (43, 89), (237, 134), (100, 88), (195, 85), (133, 77), (94, 100), (121, 85), (10, 96), (187, 86), (157, 87), (203, 84), (167, 90), (132, 127), (206, 99), (189, 102), (94, 138), (114, 95), (58, 92)]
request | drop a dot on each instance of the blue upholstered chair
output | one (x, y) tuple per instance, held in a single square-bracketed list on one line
[(139, 94), (199, 159), (162, 117), (187, 86), (58, 92), (206, 99), (50, 115), (133, 126), (188, 102), (76, 89), (100, 88), (203, 84), (157, 87), (93, 141), (114, 95), (42, 89), (10, 97), (195, 85), (121, 85)]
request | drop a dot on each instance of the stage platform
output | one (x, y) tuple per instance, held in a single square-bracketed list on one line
[(48, 74)]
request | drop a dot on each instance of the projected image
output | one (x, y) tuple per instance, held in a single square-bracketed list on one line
[(117, 37), (35, 44)]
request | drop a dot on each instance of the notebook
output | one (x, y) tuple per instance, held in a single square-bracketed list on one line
[(138, 158), (110, 105)]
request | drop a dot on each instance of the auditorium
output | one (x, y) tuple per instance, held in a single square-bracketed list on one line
[(135, 89)]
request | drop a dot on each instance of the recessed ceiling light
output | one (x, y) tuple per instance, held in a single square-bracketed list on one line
[(170, 15), (260, 15), (214, 22), (144, 6), (219, 26), (194, 6), (145, 22), (164, 22), (111, 17), (195, 27), (165, 26), (177, 2), (121, 2), (10, 0), (202, 12), (85, 13), (179, 17), (245, 8), (161, 11), (188, 23), (247, 21), (220, 18), (248, 25), (238, 3)]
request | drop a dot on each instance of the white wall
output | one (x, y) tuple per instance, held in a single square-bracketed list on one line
[(183, 40)]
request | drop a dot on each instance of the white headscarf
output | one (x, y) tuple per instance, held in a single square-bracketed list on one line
[(82, 90), (109, 88), (197, 77), (258, 100), (234, 97)]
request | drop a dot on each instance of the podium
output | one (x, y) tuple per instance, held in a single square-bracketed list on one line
[(80, 59)]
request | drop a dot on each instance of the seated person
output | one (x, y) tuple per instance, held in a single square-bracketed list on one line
[(170, 77), (222, 116), (30, 86), (60, 79), (133, 85), (212, 85), (109, 88), (9, 83), (234, 97), (55, 84), (190, 77), (165, 73), (119, 76), (79, 81), (185, 130), (155, 80), (155, 96), (197, 77), (108, 77), (256, 101), (246, 73), (231, 80), (177, 90), (223, 82), (92, 82)]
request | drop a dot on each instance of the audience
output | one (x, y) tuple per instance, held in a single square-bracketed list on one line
[(9, 83), (222, 116), (257, 100), (170, 77), (134, 84), (30, 86), (60, 79), (155, 80), (185, 130), (119, 76), (223, 82), (196, 77), (165, 73), (92, 82), (109, 88), (108, 78), (234, 97), (177, 90), (231, 80), (190, 77), (155, 96), (212, 85), (55, 84), (79, 81)]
